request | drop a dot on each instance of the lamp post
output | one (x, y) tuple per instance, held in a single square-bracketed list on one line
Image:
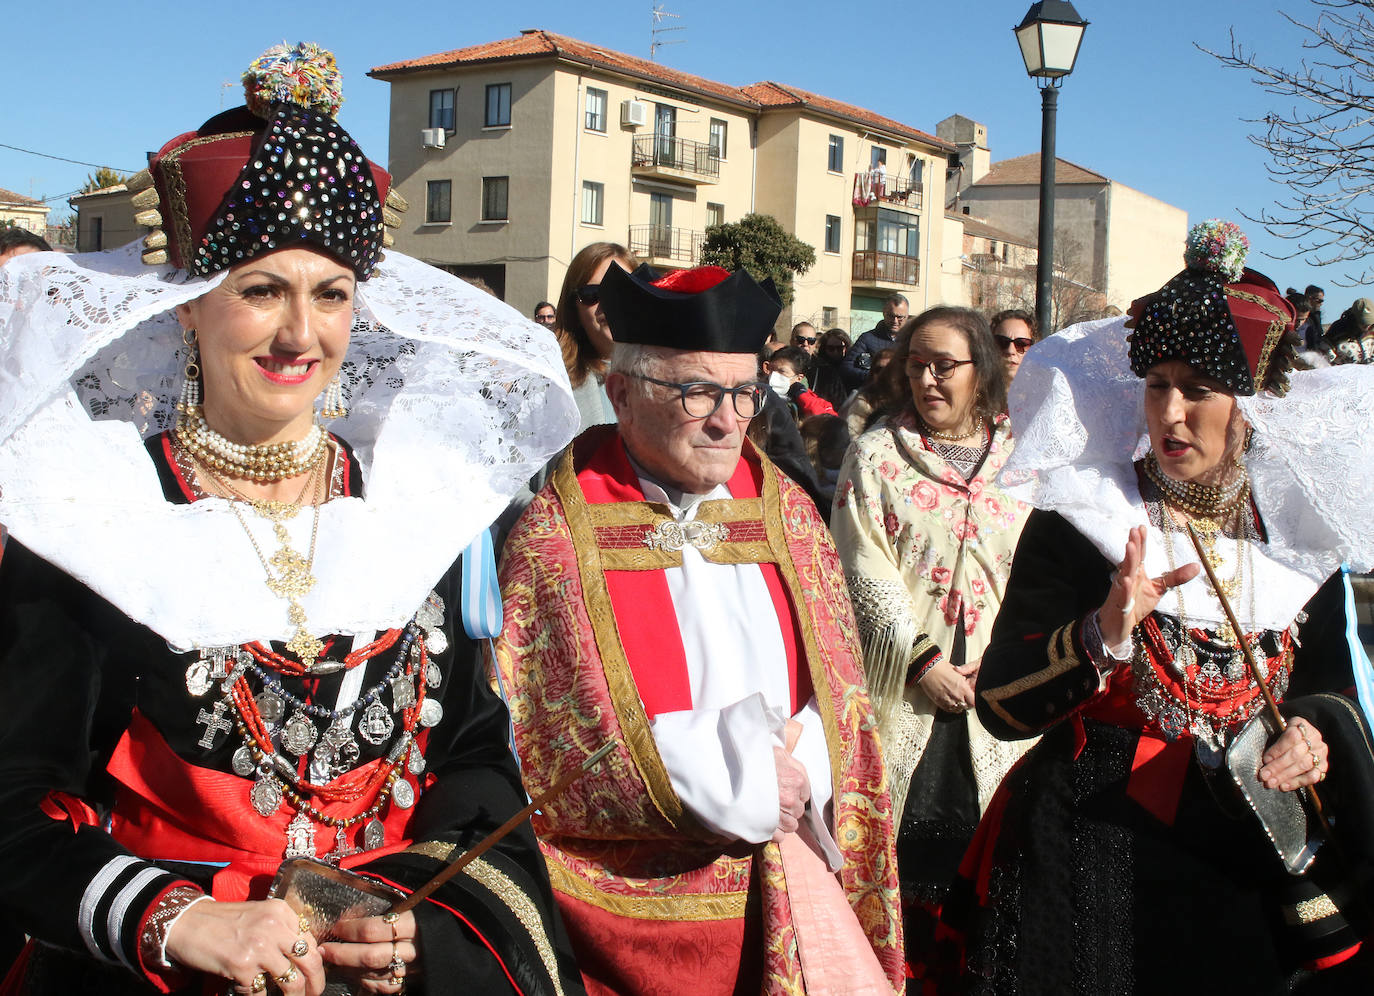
[(1049, 36)]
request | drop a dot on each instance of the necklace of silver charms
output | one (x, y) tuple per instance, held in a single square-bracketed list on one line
[(333, 750)]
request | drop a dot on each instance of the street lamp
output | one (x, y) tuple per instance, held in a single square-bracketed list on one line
[(1049, 36)]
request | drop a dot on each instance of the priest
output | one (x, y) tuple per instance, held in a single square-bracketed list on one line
[(671, 591)]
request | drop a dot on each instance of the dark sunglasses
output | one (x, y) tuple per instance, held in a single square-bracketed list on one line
[(589, 293), (1004, 343), (804, 340)]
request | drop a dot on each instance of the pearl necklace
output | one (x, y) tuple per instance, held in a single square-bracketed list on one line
[(1199, 499), (953, 437), (261, 462)]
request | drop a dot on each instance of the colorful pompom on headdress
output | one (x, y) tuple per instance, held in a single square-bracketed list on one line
[(1218, 316), (707, 308), (275, 173)]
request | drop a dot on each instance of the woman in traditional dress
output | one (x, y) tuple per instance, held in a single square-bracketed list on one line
[(1120, 856), (926, 538), (178, 728)]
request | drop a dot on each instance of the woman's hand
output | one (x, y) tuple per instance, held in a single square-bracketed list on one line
[(1298, 758), (1133, 595), (379, 951), (255, 945), (970, 669), (950, 690)]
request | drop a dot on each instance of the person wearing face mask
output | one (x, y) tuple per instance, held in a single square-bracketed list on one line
[(926, 538), (786, 372), (1155, 833)]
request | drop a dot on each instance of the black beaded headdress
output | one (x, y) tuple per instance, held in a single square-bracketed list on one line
[(1217, 316), (277, 173)]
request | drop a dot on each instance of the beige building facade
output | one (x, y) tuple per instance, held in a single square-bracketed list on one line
[(549, 143), (24, 212), (105, 219)]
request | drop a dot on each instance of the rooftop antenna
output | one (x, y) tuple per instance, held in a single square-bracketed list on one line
[(656, 17)]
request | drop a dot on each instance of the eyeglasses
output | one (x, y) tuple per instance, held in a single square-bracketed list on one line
[(545, 319), (1004, 343), (942, 369), (701, 398), (589, 293), (802, 340)]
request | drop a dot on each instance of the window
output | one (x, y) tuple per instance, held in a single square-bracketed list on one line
[(438, 200), (835, 159), (832, 233), (596, 109), (495, 198), (498, 106), (593, 195), (829, 316), (441, 110), (715, 214), (717, 141), (889, 232), (877, 155), (665, 130)]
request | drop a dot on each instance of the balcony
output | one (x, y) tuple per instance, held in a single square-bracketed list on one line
[(872, 187), (667, 158), (673, 246), (885, 269)]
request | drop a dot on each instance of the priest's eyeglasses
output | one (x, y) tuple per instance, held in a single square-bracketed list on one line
[(701, 398)]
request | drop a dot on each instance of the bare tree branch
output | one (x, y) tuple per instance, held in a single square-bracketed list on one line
[(1322, 147)]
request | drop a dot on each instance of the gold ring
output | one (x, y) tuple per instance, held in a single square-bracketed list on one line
[(288, 978), (259, 983), (303, 922), (396, 966), (301, 948), (390, 920), (1316, 762)]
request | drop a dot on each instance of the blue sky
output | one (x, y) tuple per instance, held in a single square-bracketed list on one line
[(105, 83)]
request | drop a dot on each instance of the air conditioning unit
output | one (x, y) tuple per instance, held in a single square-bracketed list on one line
[(633, 114), (432, 138)]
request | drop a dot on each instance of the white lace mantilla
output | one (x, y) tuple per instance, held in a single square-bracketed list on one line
[(455, 399), (1079, 417)]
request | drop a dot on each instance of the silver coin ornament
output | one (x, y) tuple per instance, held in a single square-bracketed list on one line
[(431, 712), (300, 734), (374, 834), (416, 762), (376, 724), (198, 680), (403, 794), (402, 692), (437, 641), (270, 707), (266, 795), (433, 676), (242, 762)]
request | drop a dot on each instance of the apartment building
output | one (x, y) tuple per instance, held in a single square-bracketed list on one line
[(516, 153)]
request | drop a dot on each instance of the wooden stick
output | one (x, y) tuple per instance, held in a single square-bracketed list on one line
[(493, 838), (1250, 659)]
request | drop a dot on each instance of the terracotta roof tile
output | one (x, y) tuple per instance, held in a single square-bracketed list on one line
[(1026, 169), (536, 44), (979, 228), (770, 94), (543, 44), (10, 197)]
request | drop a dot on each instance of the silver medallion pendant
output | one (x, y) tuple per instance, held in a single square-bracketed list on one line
[(416, 762), (300, 837), (376, 724), (437, 642), (299, 734), (431, 613), (433, 676), (374, 834), (266, 794), (270, 707), (431, 712), (243, 763), (198, 677), (402, 692), (403, 794)]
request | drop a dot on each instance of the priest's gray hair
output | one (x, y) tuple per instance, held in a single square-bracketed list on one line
[(635, 360)]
